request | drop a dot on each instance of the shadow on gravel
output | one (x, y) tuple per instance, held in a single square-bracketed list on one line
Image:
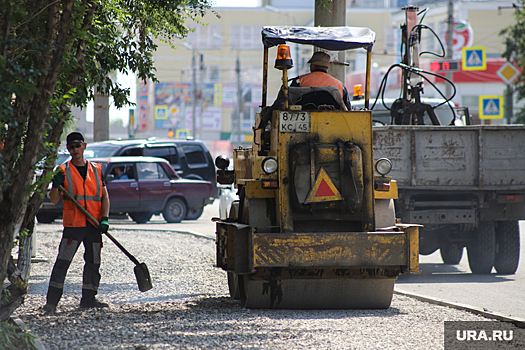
[(228, 304), (441, 273)]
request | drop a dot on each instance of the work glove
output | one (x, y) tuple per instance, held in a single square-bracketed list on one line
[(104, 224), (58, 179)]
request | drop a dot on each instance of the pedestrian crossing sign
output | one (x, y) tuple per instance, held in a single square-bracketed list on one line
[(474, 58), (490, 107)]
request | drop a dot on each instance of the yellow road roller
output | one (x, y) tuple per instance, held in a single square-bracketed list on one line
[(314, 226)]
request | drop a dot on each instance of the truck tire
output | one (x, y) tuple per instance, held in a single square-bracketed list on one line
[(481, 248), (451, 253), (140, 217), (174, 211), (507, 247)]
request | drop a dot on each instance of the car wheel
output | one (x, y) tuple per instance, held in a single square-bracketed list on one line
[(194, 214), (140, 217), (175, 210), (46, 218)]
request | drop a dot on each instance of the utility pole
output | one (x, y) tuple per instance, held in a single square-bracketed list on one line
[(201, 88), (183, 99), (194, 99), (239, 108), (101, 117), (332, 15), (450, 43), (509, 103)]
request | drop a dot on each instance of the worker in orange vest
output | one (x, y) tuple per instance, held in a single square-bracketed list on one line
[(318, 76), (84, 181)]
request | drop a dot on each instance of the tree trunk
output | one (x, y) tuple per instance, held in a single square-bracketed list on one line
[(14, 294)]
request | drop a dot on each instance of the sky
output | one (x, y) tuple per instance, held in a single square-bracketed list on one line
[(236, 3)]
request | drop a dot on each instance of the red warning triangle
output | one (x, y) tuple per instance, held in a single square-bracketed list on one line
[(324, 189)]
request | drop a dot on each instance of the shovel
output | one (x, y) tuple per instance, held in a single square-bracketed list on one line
[(141, 270)]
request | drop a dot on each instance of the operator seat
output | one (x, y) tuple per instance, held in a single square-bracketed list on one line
[(310, 98), (316, 98)]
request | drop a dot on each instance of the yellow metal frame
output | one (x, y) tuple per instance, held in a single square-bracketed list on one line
[(327, 127), (390, 194)]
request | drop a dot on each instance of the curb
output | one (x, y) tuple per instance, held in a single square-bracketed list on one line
[(518, 322), (38, 343)]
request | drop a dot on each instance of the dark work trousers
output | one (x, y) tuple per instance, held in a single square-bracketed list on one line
[(71, 238)]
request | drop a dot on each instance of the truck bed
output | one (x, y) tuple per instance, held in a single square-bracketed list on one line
[(484, 157)]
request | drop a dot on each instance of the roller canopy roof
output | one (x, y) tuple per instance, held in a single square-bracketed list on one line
[(328, 38)]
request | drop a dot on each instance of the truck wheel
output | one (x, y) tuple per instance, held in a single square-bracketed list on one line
[(194, 214), (451, 253), (175, 210), (507, 247), (140, 217), (481, 248)]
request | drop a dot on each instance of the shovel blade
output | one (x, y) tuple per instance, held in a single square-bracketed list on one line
[(143, 277)]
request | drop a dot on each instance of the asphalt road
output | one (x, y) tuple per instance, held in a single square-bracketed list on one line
[(451, 283), (504, 294)]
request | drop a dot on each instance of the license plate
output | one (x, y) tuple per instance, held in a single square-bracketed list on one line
[(294, 121)]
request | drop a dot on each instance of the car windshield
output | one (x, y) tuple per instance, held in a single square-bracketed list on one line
[(100, 151), (62, 158)]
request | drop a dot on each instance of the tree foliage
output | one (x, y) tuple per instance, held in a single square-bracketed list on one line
[(53, 53), (515, 52)]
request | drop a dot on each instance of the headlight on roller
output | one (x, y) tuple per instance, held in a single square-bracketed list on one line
[(269, 165), (383, 166)]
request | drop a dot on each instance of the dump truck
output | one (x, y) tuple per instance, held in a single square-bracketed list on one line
[(463, 183), (315, 225)]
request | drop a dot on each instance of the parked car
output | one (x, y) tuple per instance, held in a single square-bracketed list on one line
[(227, 196), (142, 187), (189, 158)]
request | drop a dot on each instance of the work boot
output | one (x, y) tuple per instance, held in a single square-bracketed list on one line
[(85, 304), (49, 308)]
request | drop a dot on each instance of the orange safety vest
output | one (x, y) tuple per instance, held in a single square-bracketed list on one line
[(87, 192), (320, 79)]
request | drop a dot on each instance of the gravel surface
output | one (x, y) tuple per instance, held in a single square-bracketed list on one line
[(189, 306)]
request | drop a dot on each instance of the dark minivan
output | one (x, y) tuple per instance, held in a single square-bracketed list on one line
[(189, 158)]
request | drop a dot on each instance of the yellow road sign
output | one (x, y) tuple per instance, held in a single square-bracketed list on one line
[(474, 58), (161, 112), (490, 107), (508, 72)]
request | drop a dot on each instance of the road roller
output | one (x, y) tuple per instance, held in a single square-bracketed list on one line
[(314, 226)]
